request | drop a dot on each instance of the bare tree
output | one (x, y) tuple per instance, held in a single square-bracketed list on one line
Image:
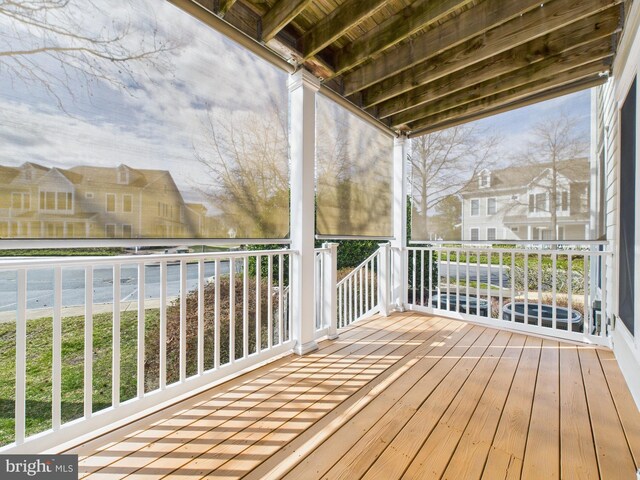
[(353, 169), (556, 145), (61, 44), (442, 163), (245, 160)]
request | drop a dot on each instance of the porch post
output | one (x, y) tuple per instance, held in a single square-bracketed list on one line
[(302, 130), (399, 243), (384, 280)]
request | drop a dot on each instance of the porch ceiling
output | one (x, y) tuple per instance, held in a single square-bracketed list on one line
[(424, 65)]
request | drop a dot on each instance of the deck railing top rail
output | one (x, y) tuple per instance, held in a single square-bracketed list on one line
[(36, 262)]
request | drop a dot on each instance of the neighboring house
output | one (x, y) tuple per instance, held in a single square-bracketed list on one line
[(516, 203), (95, 202)]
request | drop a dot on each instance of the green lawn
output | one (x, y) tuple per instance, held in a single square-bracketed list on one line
[(39, 358), (39, 354), (562, 260)]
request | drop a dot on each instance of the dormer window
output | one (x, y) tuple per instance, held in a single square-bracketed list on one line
[(123, 175), (484, 180)]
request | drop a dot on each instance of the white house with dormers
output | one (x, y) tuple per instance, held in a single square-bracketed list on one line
[(516, 203)]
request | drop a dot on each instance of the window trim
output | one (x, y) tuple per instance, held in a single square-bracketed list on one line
[(495, 205), (471, 214), (130, 196), (106, 203)]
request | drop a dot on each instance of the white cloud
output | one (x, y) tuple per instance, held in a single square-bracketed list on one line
[(156, 122)]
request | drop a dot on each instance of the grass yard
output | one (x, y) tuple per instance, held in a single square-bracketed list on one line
[(39, 353), (39, 358)]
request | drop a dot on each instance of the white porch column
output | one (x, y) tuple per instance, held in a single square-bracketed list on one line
[(399, 243), (302, 135)]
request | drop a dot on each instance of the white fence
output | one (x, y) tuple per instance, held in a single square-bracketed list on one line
[(152, 329), (359, 292), (176, 323), (545, 288)]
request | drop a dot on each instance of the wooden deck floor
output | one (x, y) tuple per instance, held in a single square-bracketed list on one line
[(409, 396)]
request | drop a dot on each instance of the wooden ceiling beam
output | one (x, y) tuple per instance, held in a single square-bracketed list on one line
[(546, 68), (590, 70), (224, 6), (336, 24), (530, 20), (453, 70), (278, 16), (552, 93), (393, 30)]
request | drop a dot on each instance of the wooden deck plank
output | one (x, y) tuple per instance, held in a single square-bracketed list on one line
[(625, 406), (613, 453), (187, 444), (309, 447), (399, 451), (470, 456), (409, 396), (577, 453), (383, 418), (433, 457), (285, 433), (233, 394), (507, 451), (542, 453), (285, 424)]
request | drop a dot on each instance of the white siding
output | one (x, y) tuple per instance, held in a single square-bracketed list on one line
[(608, 101)]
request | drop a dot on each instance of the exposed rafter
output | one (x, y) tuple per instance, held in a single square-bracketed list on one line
[(493, 13), (224, 6), (395, 29), (576, 75), (545, 69), (280, 15), (336, 24), (541, 96), (548, 67), (453, 70)]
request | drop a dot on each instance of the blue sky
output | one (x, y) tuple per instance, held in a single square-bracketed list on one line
[(515, 126)]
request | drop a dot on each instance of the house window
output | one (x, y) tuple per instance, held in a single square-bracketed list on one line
[(21, 201), (562, 201), (475, 207), (56, 201), (110, 230), (541, 202), (127, 203), (474, 234), (532, 203), (111, 202), (491, 206), (485, 180), (123, 175), (491, 233), (126, 231)]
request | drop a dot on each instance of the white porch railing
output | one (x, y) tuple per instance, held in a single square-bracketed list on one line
[(197, 318), (175, 324), (546, 288), (359, 293)]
